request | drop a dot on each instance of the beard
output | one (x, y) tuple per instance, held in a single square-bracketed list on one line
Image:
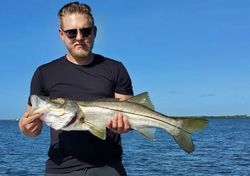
[(79, 52)]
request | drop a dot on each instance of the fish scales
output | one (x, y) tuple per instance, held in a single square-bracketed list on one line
[(94, 116)]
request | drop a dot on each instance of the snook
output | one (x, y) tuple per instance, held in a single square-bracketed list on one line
[(95, 115)]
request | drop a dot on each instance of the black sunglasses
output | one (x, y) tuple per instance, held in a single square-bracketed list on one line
[(72, 33)]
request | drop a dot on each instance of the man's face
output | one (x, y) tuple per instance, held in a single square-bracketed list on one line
[(78, 45)]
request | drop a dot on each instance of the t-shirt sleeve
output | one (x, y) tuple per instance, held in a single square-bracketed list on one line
[(123, 81), (36, 86)]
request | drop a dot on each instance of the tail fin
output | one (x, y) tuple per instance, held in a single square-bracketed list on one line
[(187, 127)]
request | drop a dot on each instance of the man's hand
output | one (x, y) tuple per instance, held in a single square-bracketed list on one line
[(30, 125), (119, 124)]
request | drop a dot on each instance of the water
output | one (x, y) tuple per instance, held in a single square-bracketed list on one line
[(222, 149)]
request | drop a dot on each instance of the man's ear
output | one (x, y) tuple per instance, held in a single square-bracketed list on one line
[(61, 33), (95, 31)]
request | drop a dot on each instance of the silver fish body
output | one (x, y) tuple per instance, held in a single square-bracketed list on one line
[(95, 116)]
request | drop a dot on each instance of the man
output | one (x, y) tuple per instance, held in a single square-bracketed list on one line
[(80, 75)]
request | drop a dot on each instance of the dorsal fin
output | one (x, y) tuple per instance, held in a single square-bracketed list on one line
[(142, 99)]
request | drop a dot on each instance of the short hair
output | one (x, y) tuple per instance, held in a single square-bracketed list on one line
[(75, 7)]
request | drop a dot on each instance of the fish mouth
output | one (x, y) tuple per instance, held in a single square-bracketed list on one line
[(72, 120)]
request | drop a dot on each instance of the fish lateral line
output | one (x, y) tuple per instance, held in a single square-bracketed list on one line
[(149, 117)]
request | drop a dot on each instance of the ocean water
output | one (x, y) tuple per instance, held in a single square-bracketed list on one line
[(223, 148)]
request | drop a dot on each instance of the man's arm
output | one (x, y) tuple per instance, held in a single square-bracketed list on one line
[(30, 125), (122, 96), (120, 123)]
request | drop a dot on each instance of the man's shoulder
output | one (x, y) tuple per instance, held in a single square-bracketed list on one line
[(52, 64), (107, 61)]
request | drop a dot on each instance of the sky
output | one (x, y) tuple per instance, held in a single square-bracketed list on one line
[(192, 56)]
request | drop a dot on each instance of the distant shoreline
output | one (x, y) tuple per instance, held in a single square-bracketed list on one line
[(226, 116)]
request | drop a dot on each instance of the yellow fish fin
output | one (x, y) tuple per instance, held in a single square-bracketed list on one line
[(142, 99), (149, 133), (96, 131)]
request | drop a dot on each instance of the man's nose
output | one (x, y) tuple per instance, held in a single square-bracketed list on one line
[(79, 35)]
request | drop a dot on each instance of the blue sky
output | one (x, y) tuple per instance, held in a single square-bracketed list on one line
[(193, 57)]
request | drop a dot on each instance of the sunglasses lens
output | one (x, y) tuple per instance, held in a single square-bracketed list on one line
[(86, 32), (72, 33)]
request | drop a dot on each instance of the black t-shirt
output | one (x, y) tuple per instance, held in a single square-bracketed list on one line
[(74, 150)]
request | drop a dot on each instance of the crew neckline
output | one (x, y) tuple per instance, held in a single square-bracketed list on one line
[(82, 65)]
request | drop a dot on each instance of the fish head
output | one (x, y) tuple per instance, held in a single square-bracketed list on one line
[(57, 113)]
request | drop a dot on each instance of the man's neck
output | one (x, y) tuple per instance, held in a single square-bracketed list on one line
[(81, 60)]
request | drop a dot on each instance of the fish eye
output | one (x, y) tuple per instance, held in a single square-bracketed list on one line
[(82, 120)]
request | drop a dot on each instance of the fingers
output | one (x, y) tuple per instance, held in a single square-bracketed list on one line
[(33, 117), (119, 123), (31, 125), (34, 125), (126, 123)]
